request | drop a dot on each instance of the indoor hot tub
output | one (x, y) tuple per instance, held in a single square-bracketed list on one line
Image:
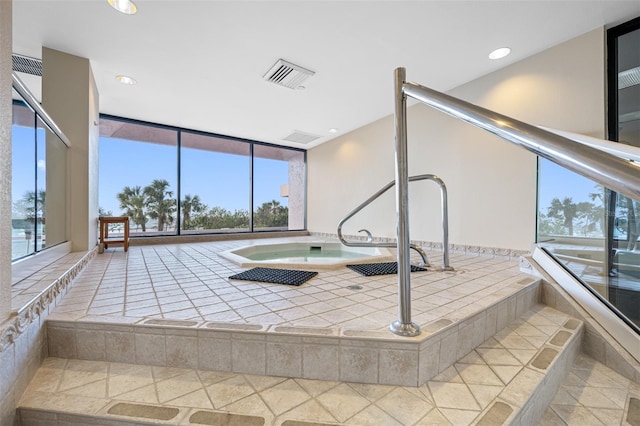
[(318, 255)]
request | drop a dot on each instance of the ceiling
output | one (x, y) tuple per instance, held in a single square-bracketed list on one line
[(200, 64)]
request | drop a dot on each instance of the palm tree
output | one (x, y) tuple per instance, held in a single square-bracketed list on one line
[(190, 205), (633, 218), (271, 214), (33, 207), (160, 203), (133, 203), (565, 209)]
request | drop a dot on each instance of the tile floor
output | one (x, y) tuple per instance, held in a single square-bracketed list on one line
[(498, 370), (190, 282), (593, 394), (30, 282)]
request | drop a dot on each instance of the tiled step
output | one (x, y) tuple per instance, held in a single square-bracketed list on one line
[(594, 394), (508, 379), (333, 353)]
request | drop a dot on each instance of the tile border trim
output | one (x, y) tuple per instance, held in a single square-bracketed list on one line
[(20, 320), (471, 250)]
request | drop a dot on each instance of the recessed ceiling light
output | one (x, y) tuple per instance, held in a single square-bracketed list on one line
[(125, 6), (124, 79), (334, 130), (499, 53)]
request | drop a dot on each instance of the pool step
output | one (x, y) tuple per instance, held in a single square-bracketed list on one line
[(509, 378), (592, 393), (351, 355)]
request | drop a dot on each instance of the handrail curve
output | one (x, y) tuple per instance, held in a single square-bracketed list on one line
[(369, 242), (619, 174)]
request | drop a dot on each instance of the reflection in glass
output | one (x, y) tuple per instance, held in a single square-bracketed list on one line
[(23, 184)]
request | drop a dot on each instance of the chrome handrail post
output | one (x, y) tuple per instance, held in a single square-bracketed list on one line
[(404, 326), (445, 226)]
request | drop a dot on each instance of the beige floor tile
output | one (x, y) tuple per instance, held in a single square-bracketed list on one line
[(62, 402), (251, 405), (146, 394), (120, 381), (459, 417), (97, 389), (229, 391), (484, 394), (371, 392), (310, 411), (550, 418), (523, 355), (506, 373), (520, 388), (498, 357), (316, 387), (577, 415), (404, 406), (477, 374), (434, 418), (178, 386), (284, 396), (373, 416), (563, 398), (453, 395), (608, 416), (261, 383), (450, 375), (343, 402), (197, 399)]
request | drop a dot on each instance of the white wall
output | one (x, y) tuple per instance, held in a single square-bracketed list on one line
[(491, 183), (70, 96)]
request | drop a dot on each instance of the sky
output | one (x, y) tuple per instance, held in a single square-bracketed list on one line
[(219, 179)]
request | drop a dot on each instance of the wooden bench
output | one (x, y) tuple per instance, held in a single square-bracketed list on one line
[(104, 231)]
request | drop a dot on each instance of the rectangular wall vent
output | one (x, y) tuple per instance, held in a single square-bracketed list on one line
[(301, 137), (629, 78), (284, 73), (27, 65)]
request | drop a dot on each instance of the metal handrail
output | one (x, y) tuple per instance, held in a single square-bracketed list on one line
[(621, 175), (615, 173), (33, 103), (369, 242)]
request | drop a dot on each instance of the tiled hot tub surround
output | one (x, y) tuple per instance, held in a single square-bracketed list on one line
[(509, 377), (364, 356)]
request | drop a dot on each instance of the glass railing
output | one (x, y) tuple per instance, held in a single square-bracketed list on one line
[(593, 232)]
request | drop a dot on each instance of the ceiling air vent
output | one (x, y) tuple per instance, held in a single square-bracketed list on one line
[(286, 74), (301, 137), (27, 65), (629, 78)]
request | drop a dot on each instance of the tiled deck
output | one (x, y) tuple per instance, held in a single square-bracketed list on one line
[(190, 282), (498, 381)]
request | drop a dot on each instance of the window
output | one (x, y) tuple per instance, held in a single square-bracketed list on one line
[(138, 176), (278, 188), (25, 204), (215, 190), (38, 214), (173, 181)]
